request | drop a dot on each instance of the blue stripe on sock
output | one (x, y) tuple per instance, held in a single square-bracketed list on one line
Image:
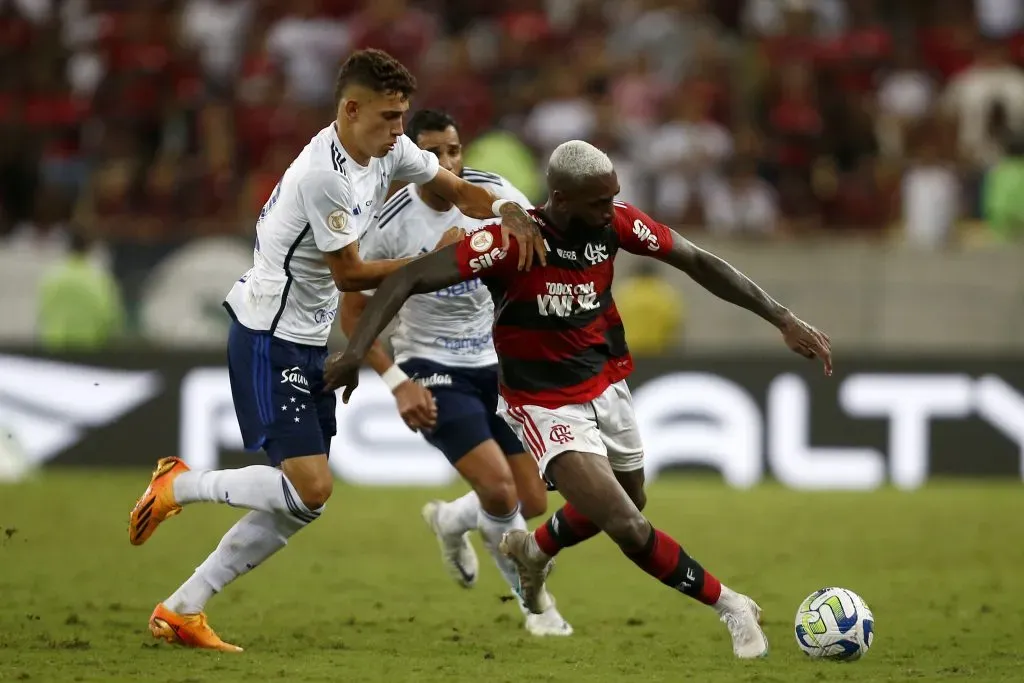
[(293, 505)]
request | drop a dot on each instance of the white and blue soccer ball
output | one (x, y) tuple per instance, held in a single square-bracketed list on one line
[(834, 623)]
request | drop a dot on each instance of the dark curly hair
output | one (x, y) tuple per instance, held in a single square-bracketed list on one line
[(428, 120), (376, 70)]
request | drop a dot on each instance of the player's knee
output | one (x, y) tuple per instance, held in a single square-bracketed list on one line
[(630, 532), (315, 493), (498, 495)]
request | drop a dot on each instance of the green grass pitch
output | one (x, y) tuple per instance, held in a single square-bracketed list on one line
[(361, 595)]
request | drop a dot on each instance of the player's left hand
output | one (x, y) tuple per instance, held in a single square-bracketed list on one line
[(807, 341), (341, 370), (416, 405), (515, 222)]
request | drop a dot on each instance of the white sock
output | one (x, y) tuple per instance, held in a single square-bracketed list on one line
[(492, 529), (460, 515), (253, 539), (257, 487), (727, 600)]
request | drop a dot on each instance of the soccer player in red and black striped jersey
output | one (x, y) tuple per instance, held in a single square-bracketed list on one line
[(563, 362)]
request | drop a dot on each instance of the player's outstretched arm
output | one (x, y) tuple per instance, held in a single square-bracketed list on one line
[(415, 403), (426, 274), (352, 306), (352, 274), (476, 201), (718, 277)]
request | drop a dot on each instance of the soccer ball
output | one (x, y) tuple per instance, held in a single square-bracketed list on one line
[(834, 623)]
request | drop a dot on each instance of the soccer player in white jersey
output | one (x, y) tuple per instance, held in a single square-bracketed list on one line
[(282, 309), (444, 342)]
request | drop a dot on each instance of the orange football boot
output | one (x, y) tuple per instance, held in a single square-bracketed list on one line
[(157, 503), (190, 630)]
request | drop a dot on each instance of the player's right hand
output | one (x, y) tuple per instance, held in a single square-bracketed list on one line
[(341, 370), (519, 225), (416, 406)]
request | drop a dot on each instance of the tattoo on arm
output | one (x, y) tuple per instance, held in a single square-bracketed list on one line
[(426, 274), (721, 279)]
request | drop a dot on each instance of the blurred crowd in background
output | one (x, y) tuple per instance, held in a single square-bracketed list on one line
[(144, 124)]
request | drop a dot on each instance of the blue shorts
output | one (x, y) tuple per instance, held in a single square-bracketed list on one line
[(276, 387), (467, 405)]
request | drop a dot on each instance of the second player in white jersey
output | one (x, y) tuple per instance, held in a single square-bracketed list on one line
[(444, 342), (451, 326)]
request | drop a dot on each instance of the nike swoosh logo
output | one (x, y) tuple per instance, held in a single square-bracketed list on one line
[(466, 576)]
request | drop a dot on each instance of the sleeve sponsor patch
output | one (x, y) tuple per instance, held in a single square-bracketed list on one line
[(337, 220), (481, 241)]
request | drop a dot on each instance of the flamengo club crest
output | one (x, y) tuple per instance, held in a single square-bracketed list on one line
[(560, 434), (596, 253)]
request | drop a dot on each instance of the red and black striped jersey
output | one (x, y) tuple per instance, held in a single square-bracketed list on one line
[(558, 335)]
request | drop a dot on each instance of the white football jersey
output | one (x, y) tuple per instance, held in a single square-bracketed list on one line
[(453, 325), (324, 202)]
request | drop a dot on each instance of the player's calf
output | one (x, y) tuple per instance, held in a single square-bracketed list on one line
[(492, 507), (564, 529), (632, 482), (530, 487), (587, 483)]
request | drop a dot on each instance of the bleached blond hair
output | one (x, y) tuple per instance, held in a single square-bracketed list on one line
[(578, 160)]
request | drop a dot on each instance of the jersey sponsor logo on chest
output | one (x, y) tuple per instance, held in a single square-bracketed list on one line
[(564, 299), (460, 289), (357, 210)]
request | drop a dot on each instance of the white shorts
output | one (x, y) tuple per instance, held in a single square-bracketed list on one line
[(606, 426)]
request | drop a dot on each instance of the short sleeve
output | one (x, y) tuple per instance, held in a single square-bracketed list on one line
[(414, 164), (325, 198), (479, 254), (638, 233)]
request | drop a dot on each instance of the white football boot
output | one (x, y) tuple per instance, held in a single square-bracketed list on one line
[(457, 553), (547, 623), (742, 616), (532, 567)]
